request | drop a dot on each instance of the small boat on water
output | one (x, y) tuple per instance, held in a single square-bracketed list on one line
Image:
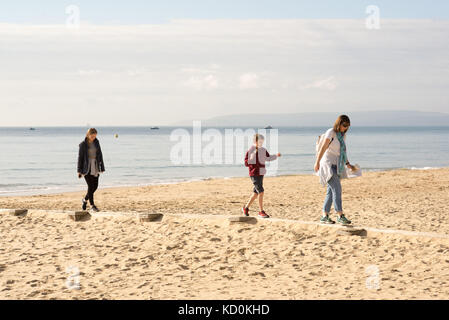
[(154, 128), (268, 127), (32, 129)]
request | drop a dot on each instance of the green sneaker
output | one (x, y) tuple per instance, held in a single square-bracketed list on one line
[(342, 219), (326, 220)]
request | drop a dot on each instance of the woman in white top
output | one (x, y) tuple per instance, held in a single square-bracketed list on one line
[(330, 164)]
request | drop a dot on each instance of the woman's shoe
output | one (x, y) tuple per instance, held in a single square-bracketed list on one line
[(326, 220), (245, 211), (84, 204), (94, 208), (342, 220)]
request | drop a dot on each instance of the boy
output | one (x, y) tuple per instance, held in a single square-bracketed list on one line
[(255, 159)]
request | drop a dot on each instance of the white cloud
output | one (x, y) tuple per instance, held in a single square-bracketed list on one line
[(212, 68), (88, 73), (249, 81), (327, 84), (208, 82), (135, 72)]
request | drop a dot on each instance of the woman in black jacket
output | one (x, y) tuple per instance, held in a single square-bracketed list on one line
[(90, 165)]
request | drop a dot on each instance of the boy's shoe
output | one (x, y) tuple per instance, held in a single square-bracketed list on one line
[(245, 211), (84, 204), (262, 214), (326, 220), (94, 208), (342, 220)]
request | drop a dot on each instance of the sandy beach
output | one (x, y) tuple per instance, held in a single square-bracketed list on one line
[(201, 258)]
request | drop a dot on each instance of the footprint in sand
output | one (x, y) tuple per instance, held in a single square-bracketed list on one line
[(258, 274), (242, 251)]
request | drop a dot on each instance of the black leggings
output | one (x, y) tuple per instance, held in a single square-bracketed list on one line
[(92, 184)]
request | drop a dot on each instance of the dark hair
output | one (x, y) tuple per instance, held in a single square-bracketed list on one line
[(91, 131), (340, 120)]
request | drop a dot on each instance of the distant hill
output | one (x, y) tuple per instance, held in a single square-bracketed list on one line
[(311, 119)]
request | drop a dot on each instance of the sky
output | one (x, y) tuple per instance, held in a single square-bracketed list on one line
[(164, 62), (156, 11)]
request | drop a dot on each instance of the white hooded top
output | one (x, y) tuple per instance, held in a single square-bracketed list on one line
[(330, 157)]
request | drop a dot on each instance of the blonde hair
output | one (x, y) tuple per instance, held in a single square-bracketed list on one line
[(90, 132)]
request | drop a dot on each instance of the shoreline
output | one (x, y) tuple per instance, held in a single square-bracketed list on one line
[(71, 190)]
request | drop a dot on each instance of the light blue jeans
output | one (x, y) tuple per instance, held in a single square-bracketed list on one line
[(333, 193)]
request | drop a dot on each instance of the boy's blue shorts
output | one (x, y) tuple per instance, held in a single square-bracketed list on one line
[(258, 184)]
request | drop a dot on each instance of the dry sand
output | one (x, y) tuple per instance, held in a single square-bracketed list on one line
[(185, 258)]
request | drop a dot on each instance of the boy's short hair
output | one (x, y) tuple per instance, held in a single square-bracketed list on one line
[(258, 137)]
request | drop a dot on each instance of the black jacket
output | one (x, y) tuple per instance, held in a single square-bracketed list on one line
[(83, 157)]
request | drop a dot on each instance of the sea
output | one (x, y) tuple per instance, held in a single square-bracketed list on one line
[(43, 160)]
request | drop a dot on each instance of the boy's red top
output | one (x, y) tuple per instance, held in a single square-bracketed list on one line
[(255, 159)]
